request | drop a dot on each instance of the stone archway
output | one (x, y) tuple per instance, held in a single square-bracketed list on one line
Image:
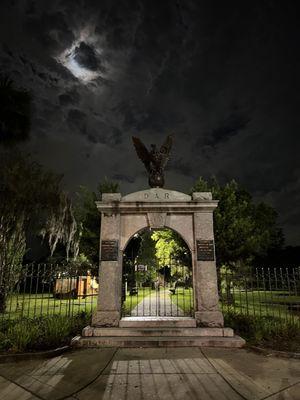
[(191, 217)]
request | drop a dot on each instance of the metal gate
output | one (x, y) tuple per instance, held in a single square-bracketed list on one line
[(162, 289)]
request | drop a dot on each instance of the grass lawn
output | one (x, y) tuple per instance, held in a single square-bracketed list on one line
[(184, 299), (274, 304), (264, 303), (35, 305)]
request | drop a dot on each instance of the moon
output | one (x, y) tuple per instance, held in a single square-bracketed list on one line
[(68, 60)]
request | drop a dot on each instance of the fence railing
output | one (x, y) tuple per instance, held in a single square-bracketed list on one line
[(43, 289), (38, 290), (268, 292)]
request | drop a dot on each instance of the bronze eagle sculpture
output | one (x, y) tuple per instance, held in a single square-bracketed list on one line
[(154, 160)]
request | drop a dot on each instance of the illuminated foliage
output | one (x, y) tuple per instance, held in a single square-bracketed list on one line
[(243, 229)]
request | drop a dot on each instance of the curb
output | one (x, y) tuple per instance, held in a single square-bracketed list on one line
[(275, 353), (60, 350), (32, 356)]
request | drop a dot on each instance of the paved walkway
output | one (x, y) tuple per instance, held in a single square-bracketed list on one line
[(157, 374), (158, 303)]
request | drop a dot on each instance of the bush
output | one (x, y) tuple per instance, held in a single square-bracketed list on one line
[(5, 343), (42, 333), (265, 331), (55, 330), (23, 334)]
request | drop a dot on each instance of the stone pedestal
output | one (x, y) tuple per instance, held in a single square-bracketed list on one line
[(205, 282), (108, 311)]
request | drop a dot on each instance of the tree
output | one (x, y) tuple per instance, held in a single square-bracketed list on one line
[(88, 218), (170, 244), (146, 255), (243, 229), (173, 255), (147, 251), (31, 199), (15, 106)]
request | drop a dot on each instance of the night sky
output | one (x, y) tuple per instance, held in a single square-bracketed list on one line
[(223, 77)]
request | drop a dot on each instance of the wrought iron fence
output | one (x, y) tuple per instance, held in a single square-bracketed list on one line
[(158, 289), (43, 289), (264, 292)]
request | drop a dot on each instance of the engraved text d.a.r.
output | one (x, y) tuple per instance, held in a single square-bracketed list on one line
[(164, 196)]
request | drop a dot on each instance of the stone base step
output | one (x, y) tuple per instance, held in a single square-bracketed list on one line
[(157, 322), (158, 332), (157, 341)]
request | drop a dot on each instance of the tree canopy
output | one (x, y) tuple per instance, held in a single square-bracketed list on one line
[(31, 199), (88, 217), (243, 229), (168, 244), (157, 247)]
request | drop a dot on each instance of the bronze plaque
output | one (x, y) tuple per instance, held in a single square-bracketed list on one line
[(109, 250), (205, 250)]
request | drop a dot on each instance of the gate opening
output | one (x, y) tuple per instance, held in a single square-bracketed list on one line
[(157, 276)]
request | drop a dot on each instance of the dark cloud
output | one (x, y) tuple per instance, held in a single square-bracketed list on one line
[(70, 97), (233, 125), (77, 120), (50, 30), (154, 118), (181, 166), (122, 178), (115, 138), (223, 79)]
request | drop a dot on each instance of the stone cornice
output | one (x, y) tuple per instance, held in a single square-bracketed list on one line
[(144, 207)]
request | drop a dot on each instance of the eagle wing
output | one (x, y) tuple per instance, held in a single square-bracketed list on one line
[(165, 150), (142, 152)]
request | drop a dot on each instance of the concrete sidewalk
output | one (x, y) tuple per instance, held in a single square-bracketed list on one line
[(160, 373)]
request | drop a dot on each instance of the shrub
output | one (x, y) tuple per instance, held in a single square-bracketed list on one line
[(54, 331), (5, 343), (41, 333), (265, 331), (23, 334)]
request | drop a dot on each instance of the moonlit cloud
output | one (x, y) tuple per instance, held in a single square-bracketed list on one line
[(79, 72), (81, 59)]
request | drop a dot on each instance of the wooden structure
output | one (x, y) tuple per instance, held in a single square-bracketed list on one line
[(80, 286)]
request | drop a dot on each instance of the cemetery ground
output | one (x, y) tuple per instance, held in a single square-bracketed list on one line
[(41, 321), (268, 303)]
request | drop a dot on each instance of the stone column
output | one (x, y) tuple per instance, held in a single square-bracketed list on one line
[(110, 272), (207, 311)]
